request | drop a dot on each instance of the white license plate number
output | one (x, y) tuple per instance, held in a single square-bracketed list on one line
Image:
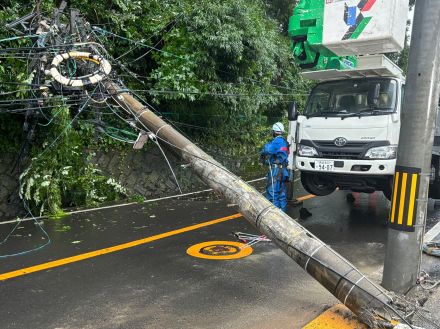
[(324, 165)]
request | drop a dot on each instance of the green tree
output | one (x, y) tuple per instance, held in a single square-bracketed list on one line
[(222, 71), (401, 58), (281, 10)]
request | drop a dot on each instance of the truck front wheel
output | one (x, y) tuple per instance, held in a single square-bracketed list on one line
[(317, 184)]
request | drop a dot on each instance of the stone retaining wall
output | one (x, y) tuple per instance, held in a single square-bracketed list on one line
[(143, 172)]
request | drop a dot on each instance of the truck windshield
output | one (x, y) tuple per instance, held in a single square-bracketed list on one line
[(353, 98)]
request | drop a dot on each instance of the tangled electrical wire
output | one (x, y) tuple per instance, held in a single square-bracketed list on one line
[(69, 69), (65, 69)]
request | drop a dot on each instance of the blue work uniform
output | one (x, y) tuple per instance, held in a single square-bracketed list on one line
[(277, 152)]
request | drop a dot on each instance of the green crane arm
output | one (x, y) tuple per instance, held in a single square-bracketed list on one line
[(305, 31)]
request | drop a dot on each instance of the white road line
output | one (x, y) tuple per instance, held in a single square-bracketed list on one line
[(432, 233), (121, 205)]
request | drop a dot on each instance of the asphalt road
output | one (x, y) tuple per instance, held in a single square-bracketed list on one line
[(156, 284)]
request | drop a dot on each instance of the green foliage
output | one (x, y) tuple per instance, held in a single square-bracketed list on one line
[(59, 174), (401, 58), (281, 10), (137, 198), (233, 70), (222, 65), (223, 70), (59, 227), (60, 214)]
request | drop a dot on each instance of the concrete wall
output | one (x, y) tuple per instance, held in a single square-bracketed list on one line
[(142, 172), (10, 203), (146, 172)]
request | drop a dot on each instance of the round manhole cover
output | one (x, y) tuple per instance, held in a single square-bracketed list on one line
[(219, 250)]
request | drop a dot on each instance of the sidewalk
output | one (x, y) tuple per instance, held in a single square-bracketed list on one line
[(431, 265)]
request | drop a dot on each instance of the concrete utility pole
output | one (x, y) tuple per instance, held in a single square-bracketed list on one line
[(367, 300), (334, 272), (411, 181)]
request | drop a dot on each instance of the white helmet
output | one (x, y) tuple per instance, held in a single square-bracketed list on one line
[(278, 127)]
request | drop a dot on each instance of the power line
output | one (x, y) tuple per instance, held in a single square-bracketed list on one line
[(157, 43), (103, 31), (221, 83), (386, 306), (26, 206), (154, 91)]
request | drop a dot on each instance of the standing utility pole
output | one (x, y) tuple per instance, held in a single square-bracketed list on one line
[(411, 181)]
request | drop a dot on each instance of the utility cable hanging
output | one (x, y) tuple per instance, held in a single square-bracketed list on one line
[(295, 246), (344, 281), (153, 138), (105, 32)]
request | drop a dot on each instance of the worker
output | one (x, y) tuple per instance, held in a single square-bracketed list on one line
[(275, 155)]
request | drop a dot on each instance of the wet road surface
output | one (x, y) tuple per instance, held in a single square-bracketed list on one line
[(157, 285)]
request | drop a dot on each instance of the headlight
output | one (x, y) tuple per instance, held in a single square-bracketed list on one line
[(306, 151), (382, 152)]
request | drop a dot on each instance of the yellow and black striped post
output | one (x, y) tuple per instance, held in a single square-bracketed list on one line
[(418, 115), (404, 200)]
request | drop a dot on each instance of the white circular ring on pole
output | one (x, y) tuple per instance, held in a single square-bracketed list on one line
[(104, 69)]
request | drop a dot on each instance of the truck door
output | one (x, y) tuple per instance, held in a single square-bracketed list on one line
[(292, 140)]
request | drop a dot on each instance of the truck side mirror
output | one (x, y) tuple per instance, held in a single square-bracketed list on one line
[(292, 115)]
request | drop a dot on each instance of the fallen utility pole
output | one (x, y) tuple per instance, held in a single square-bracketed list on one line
[(413, 170), (367, 300), (336, 274)]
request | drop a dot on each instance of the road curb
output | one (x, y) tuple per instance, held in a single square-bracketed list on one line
[(432, 233), (340, 317), (336, 317)]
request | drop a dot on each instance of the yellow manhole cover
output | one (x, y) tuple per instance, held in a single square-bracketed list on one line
[(219, 250)]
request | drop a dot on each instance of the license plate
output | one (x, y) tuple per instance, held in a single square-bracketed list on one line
[(324, 165)]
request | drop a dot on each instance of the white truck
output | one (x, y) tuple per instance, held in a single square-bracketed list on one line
[(347, 135)]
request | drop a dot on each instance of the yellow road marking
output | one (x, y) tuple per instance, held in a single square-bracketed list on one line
[(402, 198), (68, 260), (393, 209), (336, 317), (412, 197), (87, 255)]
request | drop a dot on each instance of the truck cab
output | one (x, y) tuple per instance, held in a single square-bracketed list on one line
[(347, 135)]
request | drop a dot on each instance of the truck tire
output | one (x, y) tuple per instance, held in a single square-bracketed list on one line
[(317, 184)]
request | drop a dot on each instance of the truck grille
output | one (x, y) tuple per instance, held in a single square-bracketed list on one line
[(340, 155), (352, 150), (332, 144)]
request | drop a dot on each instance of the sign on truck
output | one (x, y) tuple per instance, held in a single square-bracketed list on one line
[(347, 135)]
